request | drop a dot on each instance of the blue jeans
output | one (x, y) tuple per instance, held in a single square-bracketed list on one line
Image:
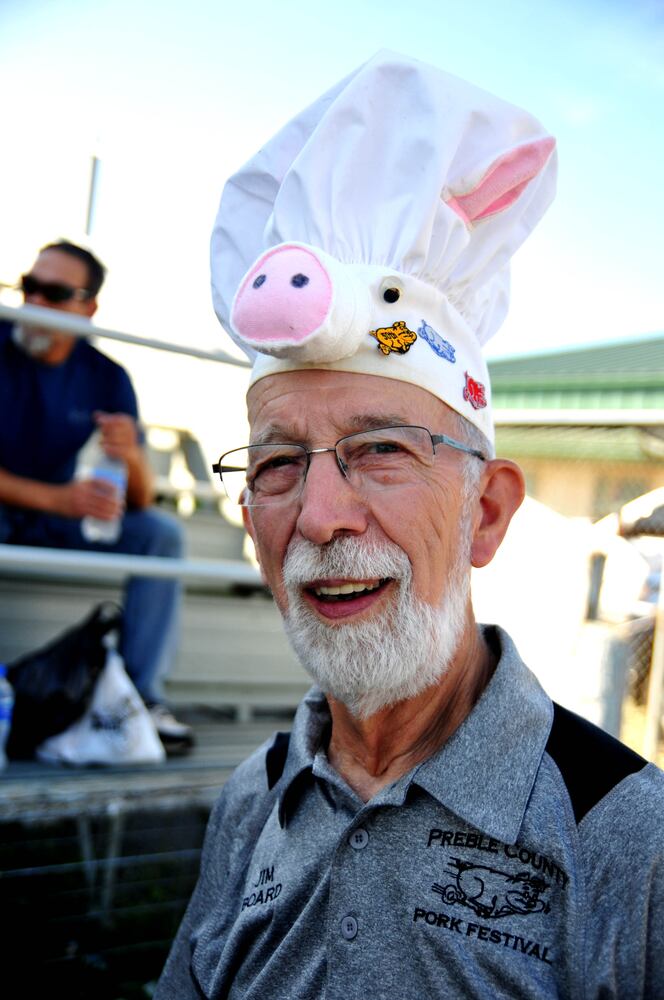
[(152, 607)]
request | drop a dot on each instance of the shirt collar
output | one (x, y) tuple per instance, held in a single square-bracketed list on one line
[(486, 770), (311, 726)]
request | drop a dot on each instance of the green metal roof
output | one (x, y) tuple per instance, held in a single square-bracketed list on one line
[(623, 375), (596, 444)]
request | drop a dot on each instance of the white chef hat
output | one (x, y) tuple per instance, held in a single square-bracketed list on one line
[(373, 233)]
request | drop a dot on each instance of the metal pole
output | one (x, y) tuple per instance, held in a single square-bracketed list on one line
[(92, 195), (656, 684), (74, 563), (80, 326)]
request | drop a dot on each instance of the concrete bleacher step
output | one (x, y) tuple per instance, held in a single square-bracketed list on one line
[(233, 650)]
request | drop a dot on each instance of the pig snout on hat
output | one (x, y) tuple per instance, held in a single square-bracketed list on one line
[(302, 303)]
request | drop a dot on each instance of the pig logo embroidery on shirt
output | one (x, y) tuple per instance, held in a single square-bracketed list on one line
[(474, 393), (437, 344), (395, 339), (492, 893)]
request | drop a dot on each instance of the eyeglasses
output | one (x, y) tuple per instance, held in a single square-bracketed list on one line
[(386, 458), (52, 291)]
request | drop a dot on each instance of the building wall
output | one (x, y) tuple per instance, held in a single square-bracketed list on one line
[(589, 489)]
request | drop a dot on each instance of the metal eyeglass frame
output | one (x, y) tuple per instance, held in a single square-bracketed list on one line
[(219, 469)]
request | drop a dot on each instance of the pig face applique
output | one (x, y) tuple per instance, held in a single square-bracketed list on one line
[(285, 298), (300, 302)]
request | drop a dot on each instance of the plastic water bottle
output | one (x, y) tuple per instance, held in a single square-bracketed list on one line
[(94, 463), (6, 707)]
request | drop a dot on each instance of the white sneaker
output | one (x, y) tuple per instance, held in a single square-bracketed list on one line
[(175, 736)]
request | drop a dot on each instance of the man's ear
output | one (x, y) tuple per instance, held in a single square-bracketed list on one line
[(502, 489), (89, 307), (249, 526)]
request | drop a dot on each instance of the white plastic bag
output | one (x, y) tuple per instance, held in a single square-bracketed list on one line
[(116, 728)]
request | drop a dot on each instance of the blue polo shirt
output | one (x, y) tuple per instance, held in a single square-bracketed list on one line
[(46, 410)]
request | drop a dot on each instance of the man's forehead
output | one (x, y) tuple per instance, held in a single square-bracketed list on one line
[(297, 402), (56, 265), (300, 429)]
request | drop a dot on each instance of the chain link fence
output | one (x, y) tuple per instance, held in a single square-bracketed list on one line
[(585, 471), (638, 635)]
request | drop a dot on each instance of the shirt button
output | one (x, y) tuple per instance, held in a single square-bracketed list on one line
[(349, 928), (359, 838)]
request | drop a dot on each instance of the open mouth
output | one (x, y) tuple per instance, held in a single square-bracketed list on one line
[(340, 598), (348, 591)]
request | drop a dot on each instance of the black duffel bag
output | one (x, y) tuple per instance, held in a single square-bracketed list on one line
[(54, 684)]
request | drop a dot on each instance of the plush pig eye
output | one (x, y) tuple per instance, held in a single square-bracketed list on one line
[(391, 289), (299, 280), (260, 280)]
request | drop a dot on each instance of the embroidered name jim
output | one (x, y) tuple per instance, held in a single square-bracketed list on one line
[(268, 889)]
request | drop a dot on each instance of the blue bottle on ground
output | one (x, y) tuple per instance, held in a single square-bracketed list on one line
[(6, 707)]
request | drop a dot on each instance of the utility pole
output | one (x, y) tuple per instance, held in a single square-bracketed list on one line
[(92, 194)]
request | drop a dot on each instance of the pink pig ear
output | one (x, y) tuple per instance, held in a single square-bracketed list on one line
[(503, 182)]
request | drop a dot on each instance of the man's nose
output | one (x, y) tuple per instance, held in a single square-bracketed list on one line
[(329, 504)]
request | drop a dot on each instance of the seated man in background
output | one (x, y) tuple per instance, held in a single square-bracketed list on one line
[(56, 389)]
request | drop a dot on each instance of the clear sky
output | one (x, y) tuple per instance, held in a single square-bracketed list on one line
[(174, 96)]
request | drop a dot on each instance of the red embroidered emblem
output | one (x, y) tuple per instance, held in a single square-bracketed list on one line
[(474, 393)]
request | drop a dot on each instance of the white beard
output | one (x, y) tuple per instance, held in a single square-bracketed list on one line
[(396, 654)]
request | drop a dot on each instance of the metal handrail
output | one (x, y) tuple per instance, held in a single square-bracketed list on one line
[(72, 563), (79, 326)]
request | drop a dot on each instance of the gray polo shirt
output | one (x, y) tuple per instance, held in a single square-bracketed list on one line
[(522, 860)]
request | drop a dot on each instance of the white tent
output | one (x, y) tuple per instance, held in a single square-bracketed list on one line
[(537, 587)]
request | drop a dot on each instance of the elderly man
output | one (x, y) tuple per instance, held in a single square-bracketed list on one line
[(55, 390), (434, 826)]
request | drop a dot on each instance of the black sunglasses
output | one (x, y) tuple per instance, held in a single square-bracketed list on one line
[(52, 291)]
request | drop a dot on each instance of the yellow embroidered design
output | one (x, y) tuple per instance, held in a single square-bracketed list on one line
[(396, 338)]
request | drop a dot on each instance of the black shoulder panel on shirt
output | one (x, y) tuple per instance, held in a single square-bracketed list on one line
[(590, 760), (275, 759)]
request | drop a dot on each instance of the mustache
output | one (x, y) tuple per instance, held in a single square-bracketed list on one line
[(349, 557)]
